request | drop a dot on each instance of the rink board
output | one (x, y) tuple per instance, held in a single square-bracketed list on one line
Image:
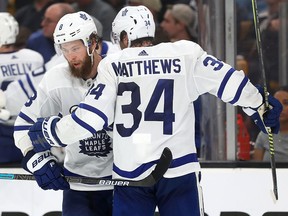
[(226, 191)]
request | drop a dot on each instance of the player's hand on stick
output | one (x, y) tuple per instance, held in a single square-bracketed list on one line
[(48, 174), (43, 135), (266, 118)]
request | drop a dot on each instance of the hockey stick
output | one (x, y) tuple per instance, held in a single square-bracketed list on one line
[(160, 169), (260, 53)]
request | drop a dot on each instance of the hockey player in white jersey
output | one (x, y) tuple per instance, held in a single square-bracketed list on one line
[(147, 92), (59, 93), (13, 65)]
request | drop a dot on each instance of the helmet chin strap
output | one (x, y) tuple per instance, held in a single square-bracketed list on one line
[(129, 42), (91, 55)]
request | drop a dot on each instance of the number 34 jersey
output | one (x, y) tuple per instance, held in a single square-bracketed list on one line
[(148, 93)]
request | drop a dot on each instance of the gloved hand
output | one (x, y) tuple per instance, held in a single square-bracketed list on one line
[(43, 135), (4, 113), (48, 174), (266, 118)]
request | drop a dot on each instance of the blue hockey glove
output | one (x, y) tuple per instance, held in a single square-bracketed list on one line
[(266, 118), (43, 135), (48, 174)]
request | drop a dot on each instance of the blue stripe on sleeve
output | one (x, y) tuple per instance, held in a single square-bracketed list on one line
[(83, 124), (239, 90), (22, 128), (30, 83), (26, 118), (97, 112), (190, 158), (224, 82), (23, 88)]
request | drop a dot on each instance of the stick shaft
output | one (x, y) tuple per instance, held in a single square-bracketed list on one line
[(160, 169), (264, 82)]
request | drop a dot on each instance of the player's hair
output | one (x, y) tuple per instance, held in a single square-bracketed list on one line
[(141, 41), (138, 42)]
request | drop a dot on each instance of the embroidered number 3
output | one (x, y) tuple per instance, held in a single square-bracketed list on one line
[(214, 62), (163, 87)]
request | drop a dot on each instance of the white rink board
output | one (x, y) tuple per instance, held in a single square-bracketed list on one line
[(246, 190)]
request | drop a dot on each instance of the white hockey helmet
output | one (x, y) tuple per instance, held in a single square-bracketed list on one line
[(9, 29), (136, 21), (74, 26)]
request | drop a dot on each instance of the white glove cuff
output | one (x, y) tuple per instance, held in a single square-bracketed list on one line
[(47, 131), (38, 160)]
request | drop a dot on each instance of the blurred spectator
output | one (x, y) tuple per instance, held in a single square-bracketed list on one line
[(13, 65), (29, 18), (3, 5), (42, 40), (154, 6), (101, 10), (20, 3), (105, 47), (117, 4), (280, 140), (180, 23)]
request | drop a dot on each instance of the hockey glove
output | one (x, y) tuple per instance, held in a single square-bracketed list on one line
[(266, 118), (43, 135), (48, 174)]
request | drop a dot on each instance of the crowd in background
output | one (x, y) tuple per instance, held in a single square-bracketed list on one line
[(175, 20)]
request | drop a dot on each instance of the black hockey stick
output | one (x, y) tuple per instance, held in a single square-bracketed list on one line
[(260, 53), (160, 169)]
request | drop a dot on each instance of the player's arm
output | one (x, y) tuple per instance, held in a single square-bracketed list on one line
[(39, 104), (43, 165), (94, 113), (220, 79)]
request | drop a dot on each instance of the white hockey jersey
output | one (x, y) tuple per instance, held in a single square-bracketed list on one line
[(59, 93), (148, 93), (20, 90), (13, 65)]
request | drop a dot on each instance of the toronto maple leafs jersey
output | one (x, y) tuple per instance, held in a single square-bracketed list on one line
[(20, 90), (148, 93), (59, 93), (15, 64)]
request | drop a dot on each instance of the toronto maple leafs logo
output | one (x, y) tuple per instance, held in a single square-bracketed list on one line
[(99, 145), (124, 13), (83, 16)]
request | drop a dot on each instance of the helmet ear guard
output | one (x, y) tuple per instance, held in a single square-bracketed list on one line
[(9, 29)]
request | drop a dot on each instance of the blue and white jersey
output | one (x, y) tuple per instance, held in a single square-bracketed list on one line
[(59, 93), (148, 93), (20, 90), (15, 64)]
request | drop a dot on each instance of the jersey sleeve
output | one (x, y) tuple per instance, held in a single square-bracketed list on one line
[(220, 79), (40, 104), (95, 113)]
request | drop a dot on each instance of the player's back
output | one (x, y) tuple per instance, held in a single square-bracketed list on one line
[(15, 64), (154, 107), (148, 93)]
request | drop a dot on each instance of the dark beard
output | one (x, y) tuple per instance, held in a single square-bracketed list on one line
[(84, 71)]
